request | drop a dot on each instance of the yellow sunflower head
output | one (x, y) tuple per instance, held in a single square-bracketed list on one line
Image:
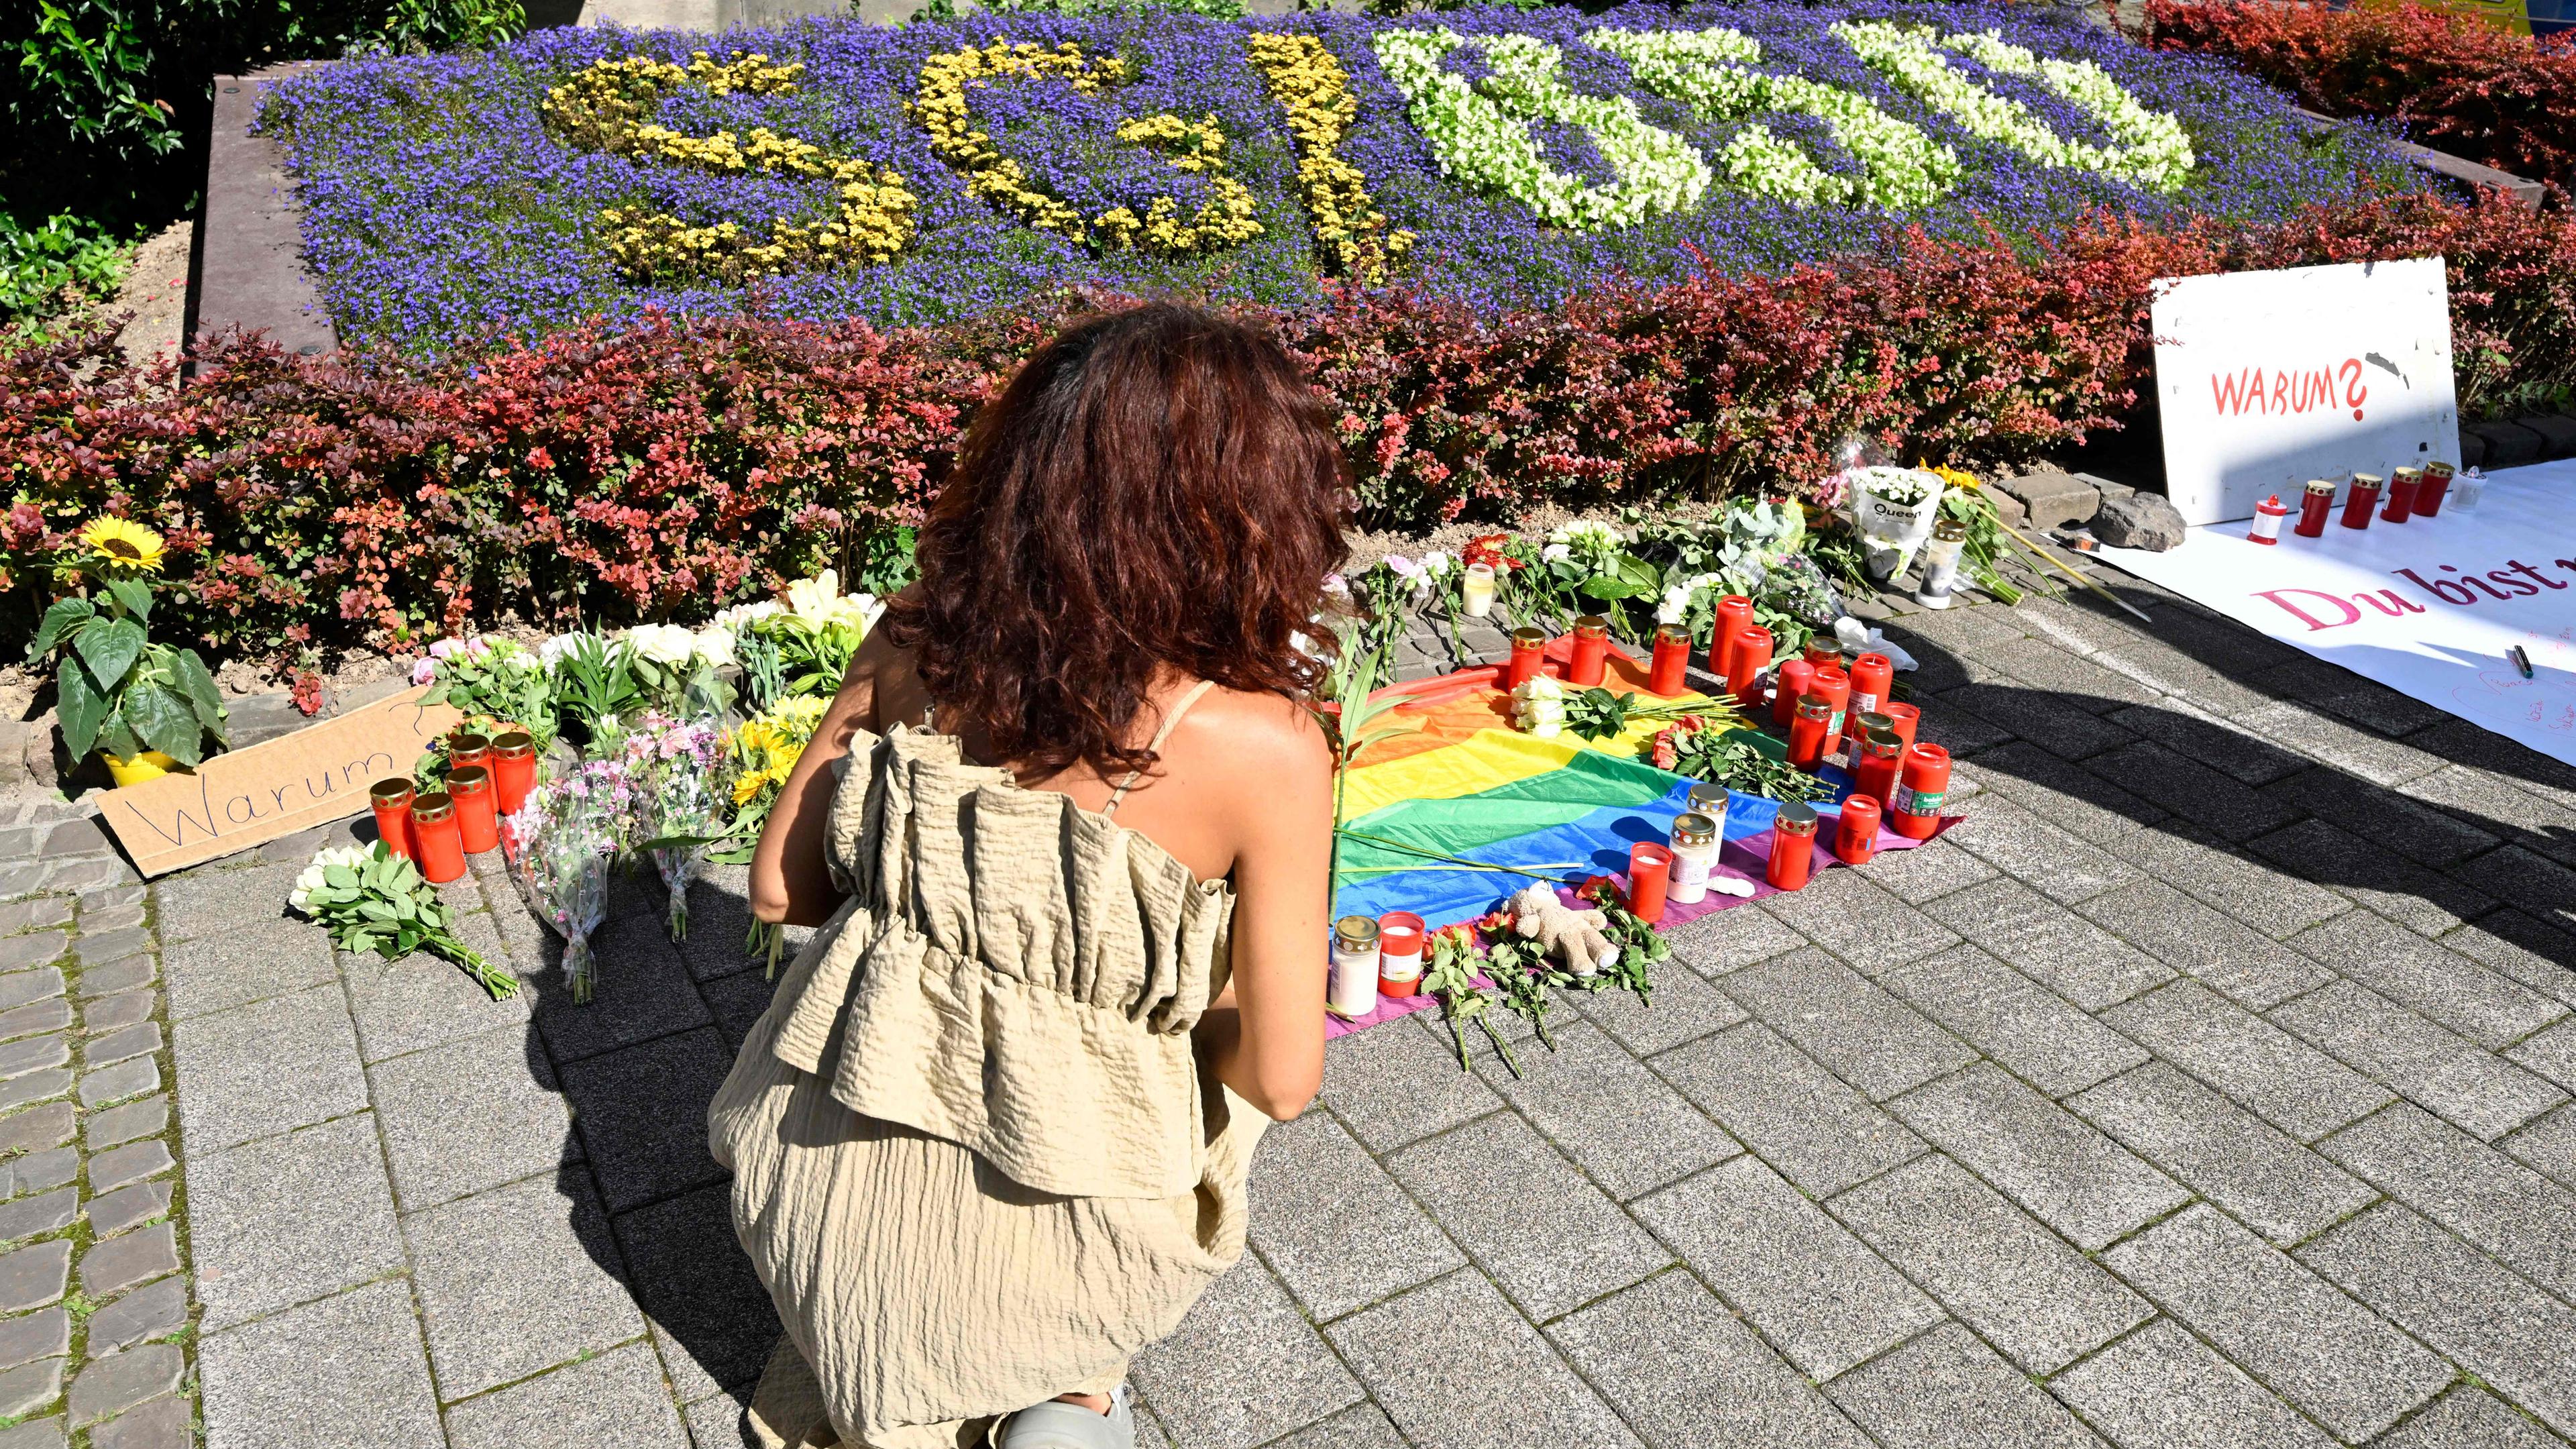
[(124, 546)]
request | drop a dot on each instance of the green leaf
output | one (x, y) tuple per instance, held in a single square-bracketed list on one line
[(406, 877), (199, 685), (109, 647), (340, 878), (405, 910), (118, 738), (83, 707), (165, 721), (66, 616), (134, 594), (377, 910)]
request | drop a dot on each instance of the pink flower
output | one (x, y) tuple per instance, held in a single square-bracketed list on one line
[(425, 671)]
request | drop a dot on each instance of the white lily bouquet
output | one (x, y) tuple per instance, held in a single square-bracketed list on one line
[(1893, 510), (371, 899)]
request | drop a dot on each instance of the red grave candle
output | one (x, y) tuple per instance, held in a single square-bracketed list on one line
[(1879, 755), (1399, 954), (2401, 494), (1823, 651), (1734, 616), (514, 769), (2314, 505), (1529, 650), (465, 747), (441, 850), (1916, 809), (2428, 494), (1672, 656), (392, 802), (2365, 497), (1807, 732), (1745, 663), (478, 817), (1905, 717), (1872, 676), (1796, 680), (1835, 686), (1856, 839), (1650, 876), (1793, 846), (1591, 650)]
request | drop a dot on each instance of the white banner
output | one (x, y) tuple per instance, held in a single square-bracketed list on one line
[(2428, 607)]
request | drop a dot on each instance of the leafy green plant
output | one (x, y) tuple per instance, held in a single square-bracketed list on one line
[(1451, 975), (494, 679), (66, 261), (1350, 725), (117, 690), (595, 685), (372, 900), (1745, 761)]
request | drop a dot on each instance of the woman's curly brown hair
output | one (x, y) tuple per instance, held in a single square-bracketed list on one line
[(1156, 489)]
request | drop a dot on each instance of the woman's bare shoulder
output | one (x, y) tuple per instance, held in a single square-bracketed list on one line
[(1257, 730)]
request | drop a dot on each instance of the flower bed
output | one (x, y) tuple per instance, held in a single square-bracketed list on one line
[(1496, 157), (2451, 80)]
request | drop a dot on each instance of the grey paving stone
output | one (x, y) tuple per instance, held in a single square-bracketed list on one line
[(2490, 806), (2363, 754), (347, 1370), (2484, 1006), (256, 1071), (2162, 1386), (617, 1398), (2236, 960), (1361, 1426), (2398, 889), (738, 1002), (2360, 700), (2460, 1302), (28, 915), (1818, 1132), (35, 1017), (1621, 1124), (251, 963), (2184, 786), (2486, 1197), (120, 1263), (116, 1046), (26, 1389), (160, 1424), (1396, 1083), (717, 1423), (2059, 726), (29, 1216), (470, 1115), (111, 1385), (17, 953), (222, 900), (1330, 1215), (79, 835), (2548, 1145), (2060, 866), (290, 1218), (129, 1078), (513, 1281), (97, 948), (101, 919), (644, 990), (711, 1318), (1725, 939), (131, 1163), (2015, 1020), (2223, 1152), (2067, 675), (2310, 1343), (1844, 1021), (1245, 1367), (1948, 1388), (2542, 887), (642, 1113), (128, 1207), (2400, 822), (2065, 794), (116, 898), (1816, 1292), (147, 1118), (44, 1171), (1683, 1007), (34, 1087), (34, 1054), (1683, 1371), (116, 977), (1841, 911), (2071, 956), (2243, 887), (2539, 956), (2281, 1079), (1526, 1395), (21, 987), (2018, 1285), (34, 1276), (419, 1002), (154, 1310), (37, 1335), (2469, 1417), (36, 1128), (2458, 1079), (2552, 1053), (1927, 872), (125, 1008), (1546, 1236)]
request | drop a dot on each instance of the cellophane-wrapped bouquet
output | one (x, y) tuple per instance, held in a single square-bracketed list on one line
[(565, 839), (672, 767)]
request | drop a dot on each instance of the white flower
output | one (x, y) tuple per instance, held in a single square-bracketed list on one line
[(1556, 553), (1402, 567), (1676, 603), (552, 651), (1438, 563), (662, 643), (1590, 531), (743, 616), (815, 598), (1337, 586), (714, 644), (353, 856)]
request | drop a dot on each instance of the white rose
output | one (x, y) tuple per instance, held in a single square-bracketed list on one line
[(743, 616), (662, 643), (714, 644)]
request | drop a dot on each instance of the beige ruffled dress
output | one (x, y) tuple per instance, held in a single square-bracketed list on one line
[(975, 1160)]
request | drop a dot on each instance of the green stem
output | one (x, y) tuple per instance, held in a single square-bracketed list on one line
[(497, 983)]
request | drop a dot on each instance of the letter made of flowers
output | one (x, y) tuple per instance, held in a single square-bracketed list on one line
[(2151, 150), (1901, 168), (1315, 91), (1225, 219), (1480, 131), (605, 107)]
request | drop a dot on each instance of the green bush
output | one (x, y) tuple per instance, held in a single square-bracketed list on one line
[(67, 261)]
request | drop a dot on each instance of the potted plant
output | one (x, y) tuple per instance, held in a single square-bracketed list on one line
[(146, 708)]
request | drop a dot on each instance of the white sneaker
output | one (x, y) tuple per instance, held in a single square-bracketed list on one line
[(1053, 1425)]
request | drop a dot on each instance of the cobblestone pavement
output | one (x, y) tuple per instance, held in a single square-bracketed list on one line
[(2208, 1086)]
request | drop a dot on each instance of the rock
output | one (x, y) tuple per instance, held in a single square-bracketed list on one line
[(2509, 445), (2557, 434), (2052, 499), (2473, 450), (2138, 520)]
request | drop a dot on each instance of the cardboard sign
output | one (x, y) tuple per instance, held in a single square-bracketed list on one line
[(2268, 379), (249, 797)]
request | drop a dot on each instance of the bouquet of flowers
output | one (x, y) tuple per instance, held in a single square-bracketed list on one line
[(671, 765), (758, 757), (371, 899), (564, 840), (494, 679)]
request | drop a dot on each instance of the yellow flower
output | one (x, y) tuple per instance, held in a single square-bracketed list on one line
[(124, 544)]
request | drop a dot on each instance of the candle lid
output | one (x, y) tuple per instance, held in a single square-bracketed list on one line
[(463, 740), (2408, 475), (389, 793), (1949, 530), (1709, 800), (1674, 632), (433, 807), (1355, 933), (1529, 638), (1815, 704), (2367, 480), (1883, 737), (2321, 485), (468, 780), (515, 744), (1592, 626), (1871, 722), (1797, 817), (1693, 828), (2438, 470)]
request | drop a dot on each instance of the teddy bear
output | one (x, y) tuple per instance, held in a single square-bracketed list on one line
[(1578, 938)]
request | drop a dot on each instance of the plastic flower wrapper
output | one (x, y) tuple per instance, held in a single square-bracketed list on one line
[(564, 840), (672, 767), (371, 899)]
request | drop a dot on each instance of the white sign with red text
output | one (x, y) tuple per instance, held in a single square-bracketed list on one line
[(2267, 379), (2429, 607)]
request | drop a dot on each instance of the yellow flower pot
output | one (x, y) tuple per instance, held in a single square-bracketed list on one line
[(150, 765)]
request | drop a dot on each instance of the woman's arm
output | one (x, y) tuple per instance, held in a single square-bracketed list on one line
[(790, 880), (1264, 1037)]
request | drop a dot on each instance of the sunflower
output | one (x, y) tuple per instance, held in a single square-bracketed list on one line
[(124, 545)]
